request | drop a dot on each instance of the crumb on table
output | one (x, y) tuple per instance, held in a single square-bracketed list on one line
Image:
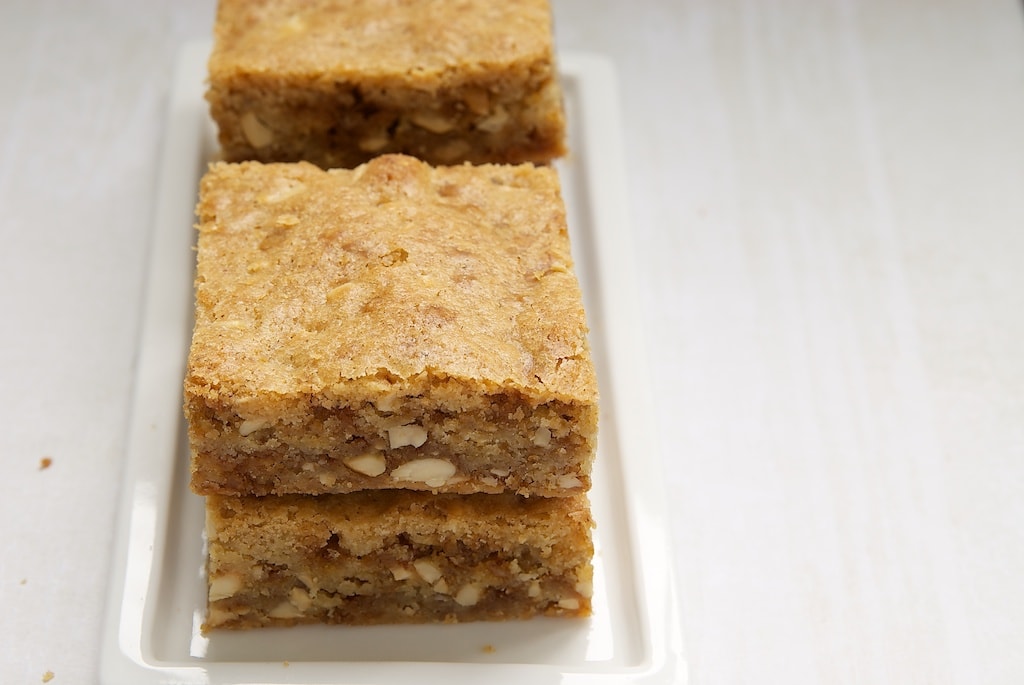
[(45, 463)]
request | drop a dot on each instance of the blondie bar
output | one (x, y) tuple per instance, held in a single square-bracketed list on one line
[(393, 556), (336, 82), (392, 326)]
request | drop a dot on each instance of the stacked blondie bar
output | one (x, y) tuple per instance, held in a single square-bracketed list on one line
[(391, 402)]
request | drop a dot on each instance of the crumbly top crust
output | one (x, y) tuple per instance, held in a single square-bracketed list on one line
[(348, 284), (427, 43)]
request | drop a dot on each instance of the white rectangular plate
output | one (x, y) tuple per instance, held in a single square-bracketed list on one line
[(157, 593)]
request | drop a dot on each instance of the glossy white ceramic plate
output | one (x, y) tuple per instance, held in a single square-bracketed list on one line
[(156, 597)]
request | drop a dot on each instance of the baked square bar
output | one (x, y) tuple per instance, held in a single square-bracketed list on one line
[(336, 82), (392, 326), (393, 556)]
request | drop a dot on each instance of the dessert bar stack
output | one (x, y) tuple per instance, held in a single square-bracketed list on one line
[(391, 402)]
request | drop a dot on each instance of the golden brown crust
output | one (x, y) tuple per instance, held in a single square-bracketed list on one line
[(427, 44), (321, 281), (344, 304)]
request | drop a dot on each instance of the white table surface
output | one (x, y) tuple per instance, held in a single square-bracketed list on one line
[(827, 204)]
